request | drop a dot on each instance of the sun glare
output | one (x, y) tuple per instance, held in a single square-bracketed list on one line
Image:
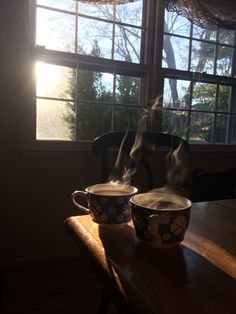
[(47, 77)]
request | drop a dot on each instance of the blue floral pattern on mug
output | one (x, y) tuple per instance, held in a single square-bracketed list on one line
[(110, 209), (160, 227)]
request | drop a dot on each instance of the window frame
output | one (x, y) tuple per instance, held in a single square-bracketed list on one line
[(40, 53), (151, 68), (161, 73)]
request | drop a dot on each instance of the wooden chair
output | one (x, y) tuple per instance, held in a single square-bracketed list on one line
[(150, 142)]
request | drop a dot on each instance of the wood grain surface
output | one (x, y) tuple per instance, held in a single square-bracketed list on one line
[(197, 276)]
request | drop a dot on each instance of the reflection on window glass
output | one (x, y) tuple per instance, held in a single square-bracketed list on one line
[(127, 89), (95, 85), (55, 30), (67, 5), (51, 120), (204, 96), (125, 118), (224, 98), (127, 44), (176, 93), (201, 127), (224, 61), (93, 120), (221, 127), (130, 13), (94, 38), (176, 52), (176, 24), (54, 81), (203, 55), (175, 122)]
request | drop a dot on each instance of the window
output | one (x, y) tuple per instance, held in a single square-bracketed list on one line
[(198, 93), (90, 72), (97, 68)]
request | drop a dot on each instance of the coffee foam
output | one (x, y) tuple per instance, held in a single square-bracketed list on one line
[(161, 201), (112, 189)]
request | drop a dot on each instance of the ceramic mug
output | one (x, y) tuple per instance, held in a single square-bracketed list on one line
[(108, 204), (160, 219)]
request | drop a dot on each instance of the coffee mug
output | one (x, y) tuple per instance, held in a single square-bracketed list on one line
[(160, 219), (108, 204)]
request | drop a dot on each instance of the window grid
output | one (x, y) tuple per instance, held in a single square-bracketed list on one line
[(101, 65), (142, 71), (225, 79)]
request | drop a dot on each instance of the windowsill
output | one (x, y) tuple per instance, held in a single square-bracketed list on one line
[(212, 147), (65, 146)]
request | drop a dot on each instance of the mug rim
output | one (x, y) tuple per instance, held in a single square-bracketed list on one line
[(122, 186), (182, 198)]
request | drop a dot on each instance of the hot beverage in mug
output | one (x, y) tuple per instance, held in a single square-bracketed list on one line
[(160, 219), (108, 203)]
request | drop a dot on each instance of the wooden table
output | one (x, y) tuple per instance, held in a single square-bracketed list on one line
[(197, 276)]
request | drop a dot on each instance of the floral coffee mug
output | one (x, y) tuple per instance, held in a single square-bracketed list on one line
[(160, 219), (108, 204)]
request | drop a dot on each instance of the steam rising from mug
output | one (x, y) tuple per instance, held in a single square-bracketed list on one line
[(124, 170)]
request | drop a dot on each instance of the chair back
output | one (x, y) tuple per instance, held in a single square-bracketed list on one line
[(152, 140)]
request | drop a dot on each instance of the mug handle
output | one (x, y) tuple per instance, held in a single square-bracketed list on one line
[(153, 225), (84, 195)]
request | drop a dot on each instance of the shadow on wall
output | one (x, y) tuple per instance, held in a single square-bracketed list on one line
[(208, 186)]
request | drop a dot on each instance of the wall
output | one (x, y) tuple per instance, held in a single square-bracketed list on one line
[(36, 186)]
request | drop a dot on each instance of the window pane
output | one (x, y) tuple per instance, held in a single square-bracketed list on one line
[(127, 44), (130, 13), (94, 37), (175, 52), (224, 98), (127, 89), (224, 61), (176, 24), (201, 127), (51, 120), (205, 34), (55, 30), (176, 93), (125, 118), (55, 81), (104, 11), (202, 57), (95, 85), (226, 37), (175, 122), (204, 96), (59, 4), (93, 120), (233, 129), (221, 128)]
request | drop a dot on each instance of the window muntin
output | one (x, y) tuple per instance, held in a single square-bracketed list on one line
[(66, 5), (205, 114), (85, 94), (55, 30), (89, 102), (76, 28), (197, 64), (193, 59)]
